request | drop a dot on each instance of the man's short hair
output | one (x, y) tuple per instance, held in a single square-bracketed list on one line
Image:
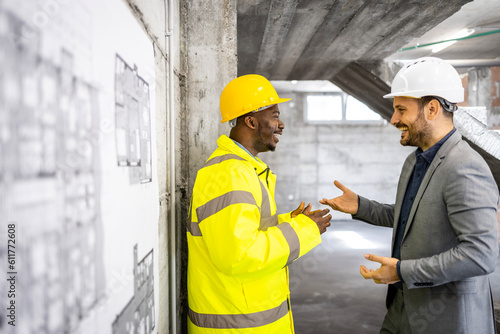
[(448, 107)]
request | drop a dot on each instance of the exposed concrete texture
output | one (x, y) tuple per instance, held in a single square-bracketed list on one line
[(208, 63), (479, 87), (162, 149), (316, 39), (495, 98), (309, 157), (209, 51), (153, 16)]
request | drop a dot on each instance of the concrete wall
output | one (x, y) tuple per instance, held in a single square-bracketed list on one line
[(367, 158)]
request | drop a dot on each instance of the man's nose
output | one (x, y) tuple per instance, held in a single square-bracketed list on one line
[(281, 125), (395, 118)]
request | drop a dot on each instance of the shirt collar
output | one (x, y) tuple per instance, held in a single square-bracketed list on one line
[(244, 148), (429, 154)]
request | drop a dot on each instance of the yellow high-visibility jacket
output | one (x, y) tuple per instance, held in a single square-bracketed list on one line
[(239, 248)]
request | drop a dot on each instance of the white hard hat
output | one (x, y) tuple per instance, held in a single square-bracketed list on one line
[(428, 76)]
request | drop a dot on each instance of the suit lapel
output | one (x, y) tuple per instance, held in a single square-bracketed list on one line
[(441, 154), (406, 172)]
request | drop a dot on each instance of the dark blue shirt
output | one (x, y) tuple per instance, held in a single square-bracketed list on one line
[(423, 161)]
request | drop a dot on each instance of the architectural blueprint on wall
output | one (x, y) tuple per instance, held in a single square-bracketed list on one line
[(78, 192), (133, 129)]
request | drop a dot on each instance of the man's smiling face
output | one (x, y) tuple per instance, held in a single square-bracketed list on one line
[(270, 128), (409, 118)]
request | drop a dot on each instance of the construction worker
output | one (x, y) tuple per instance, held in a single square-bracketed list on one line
[(445, 239), (239, 247)]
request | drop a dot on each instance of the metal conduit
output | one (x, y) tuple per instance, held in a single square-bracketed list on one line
[(173, 262), (474, 62), (451, 40)]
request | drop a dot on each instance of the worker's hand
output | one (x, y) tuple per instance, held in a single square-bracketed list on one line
[(299, 210), (386, 274), (347, 202), (320, 217)]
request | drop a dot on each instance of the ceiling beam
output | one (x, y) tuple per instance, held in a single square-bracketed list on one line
[(357, 81), (281, 13)]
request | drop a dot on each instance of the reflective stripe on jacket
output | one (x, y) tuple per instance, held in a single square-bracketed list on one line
[(239, 248)]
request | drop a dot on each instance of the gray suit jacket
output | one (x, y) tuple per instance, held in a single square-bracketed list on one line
[(450, 243)]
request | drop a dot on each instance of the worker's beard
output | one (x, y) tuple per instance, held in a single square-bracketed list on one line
[(418, 132), (264, 140)]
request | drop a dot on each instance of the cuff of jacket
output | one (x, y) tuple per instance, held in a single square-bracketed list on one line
[(363, 213), (398, 268)]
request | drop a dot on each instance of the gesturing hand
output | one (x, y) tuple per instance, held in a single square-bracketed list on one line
[(299, 210), (347, 202), (386, 274), (318, 216)]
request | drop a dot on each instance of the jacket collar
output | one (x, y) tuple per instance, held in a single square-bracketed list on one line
[(227, 144), (451, 142)]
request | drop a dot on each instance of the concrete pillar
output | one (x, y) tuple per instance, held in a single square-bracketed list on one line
[(479, 87), (495, 97), (208, 63)]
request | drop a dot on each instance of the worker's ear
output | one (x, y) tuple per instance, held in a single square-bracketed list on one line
[(251, 121), (432, 109)]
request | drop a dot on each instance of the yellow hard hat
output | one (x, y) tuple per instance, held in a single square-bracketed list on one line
[(247, 93)]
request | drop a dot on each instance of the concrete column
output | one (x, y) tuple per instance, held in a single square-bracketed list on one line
[(208, 63), (495, 97), (479, 87)]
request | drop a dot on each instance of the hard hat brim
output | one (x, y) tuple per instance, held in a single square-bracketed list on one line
[(280, 100), (450, 95)]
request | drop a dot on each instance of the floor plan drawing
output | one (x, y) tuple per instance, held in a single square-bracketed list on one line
[(138, 316), (49, 169), (133, 129), (77, 171)]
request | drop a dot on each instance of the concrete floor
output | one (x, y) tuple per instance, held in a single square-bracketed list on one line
[(328, 293)]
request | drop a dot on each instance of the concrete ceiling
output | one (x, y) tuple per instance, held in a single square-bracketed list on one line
[(482, 47), (316, 39), (354, 43), (360, 44)]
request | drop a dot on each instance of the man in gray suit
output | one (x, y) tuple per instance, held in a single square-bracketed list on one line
[(445, 238)]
